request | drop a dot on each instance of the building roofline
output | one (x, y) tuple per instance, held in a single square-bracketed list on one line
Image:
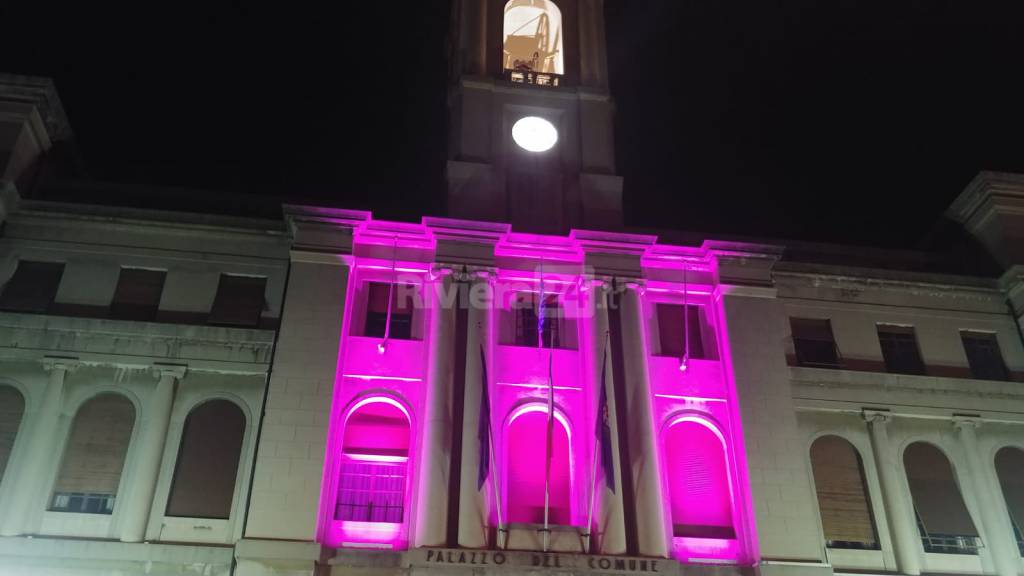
[(41, 92)]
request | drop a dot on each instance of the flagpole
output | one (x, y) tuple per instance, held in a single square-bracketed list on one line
[(593, 470), (494, 482), (546, 534), (547, 464), (485, 396), (593, 494)]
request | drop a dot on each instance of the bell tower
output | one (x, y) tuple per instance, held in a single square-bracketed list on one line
[(530, 116)]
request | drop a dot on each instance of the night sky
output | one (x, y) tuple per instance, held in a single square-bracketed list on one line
[(819, 120)]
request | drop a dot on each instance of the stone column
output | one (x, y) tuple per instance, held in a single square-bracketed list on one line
[(643, 440), (1005, 556), (898, 510), (609, 525), (473, 513), (150, 453), (435, 456), (43, 445)]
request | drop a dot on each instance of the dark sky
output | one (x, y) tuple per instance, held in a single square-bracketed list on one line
[(826, 120)]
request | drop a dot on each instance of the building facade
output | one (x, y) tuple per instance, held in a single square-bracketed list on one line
[(524, 387)]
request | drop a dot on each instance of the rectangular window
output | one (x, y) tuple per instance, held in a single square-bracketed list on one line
[(672, 334), (899, 349), (239, 302), (525, 312), (402, 306), (983, 355), (371, 491), (815, 346), (138, 292), (33, 287)]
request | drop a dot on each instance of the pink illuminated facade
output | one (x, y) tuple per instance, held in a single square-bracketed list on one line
[(423, 335), (524, 386)]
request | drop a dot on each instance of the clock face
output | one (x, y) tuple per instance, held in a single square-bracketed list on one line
[(534, 134)]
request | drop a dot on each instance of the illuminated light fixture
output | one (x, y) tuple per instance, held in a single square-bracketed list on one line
[(382, 347), (534, 134), (683, 363)]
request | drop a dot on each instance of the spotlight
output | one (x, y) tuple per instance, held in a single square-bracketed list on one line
[(684, 363), (382, 347)]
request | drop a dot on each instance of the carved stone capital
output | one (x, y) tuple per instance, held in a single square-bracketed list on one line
[(51, 363), (639, 286), (439, 271), (877, 416), (175, 371), (963, 422)]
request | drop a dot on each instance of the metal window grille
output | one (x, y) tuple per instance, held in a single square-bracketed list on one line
[(371, 491), (83, 503), (937, 543)]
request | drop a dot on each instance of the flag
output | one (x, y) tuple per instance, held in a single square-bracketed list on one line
[(604, 428), (483, 426)]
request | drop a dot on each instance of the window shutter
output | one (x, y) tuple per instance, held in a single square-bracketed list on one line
[(33, 286), (700, 497), (97, 446), (138, 292), (1010, 469), (935, 492), (12, 408), (842, 494), (239, 301), (207, 465), (984, 356)]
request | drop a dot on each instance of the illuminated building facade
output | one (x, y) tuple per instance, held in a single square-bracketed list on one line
[(525, 387)]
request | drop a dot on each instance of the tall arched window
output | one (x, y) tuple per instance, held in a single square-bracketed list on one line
[(533, 37), (1010, 469), (12, 408), (698, 481), (843, 501), (526, 465), (942, 517), (374, 463), (94, 456), (207, 464)]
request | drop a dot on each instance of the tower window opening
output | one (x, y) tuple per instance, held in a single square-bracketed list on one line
[(532, 46)]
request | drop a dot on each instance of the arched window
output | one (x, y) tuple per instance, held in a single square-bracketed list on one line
[(1010, 469), (942, 517), (207, 464), (533, 37), (12, 407), (374, 463), (94, 456), (843, 502), (698, 481), (526, 464)]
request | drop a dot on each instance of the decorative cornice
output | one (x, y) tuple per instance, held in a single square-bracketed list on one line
[(40, 92), (976, 197)]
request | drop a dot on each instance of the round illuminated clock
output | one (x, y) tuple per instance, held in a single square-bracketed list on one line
[(534, 134)]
